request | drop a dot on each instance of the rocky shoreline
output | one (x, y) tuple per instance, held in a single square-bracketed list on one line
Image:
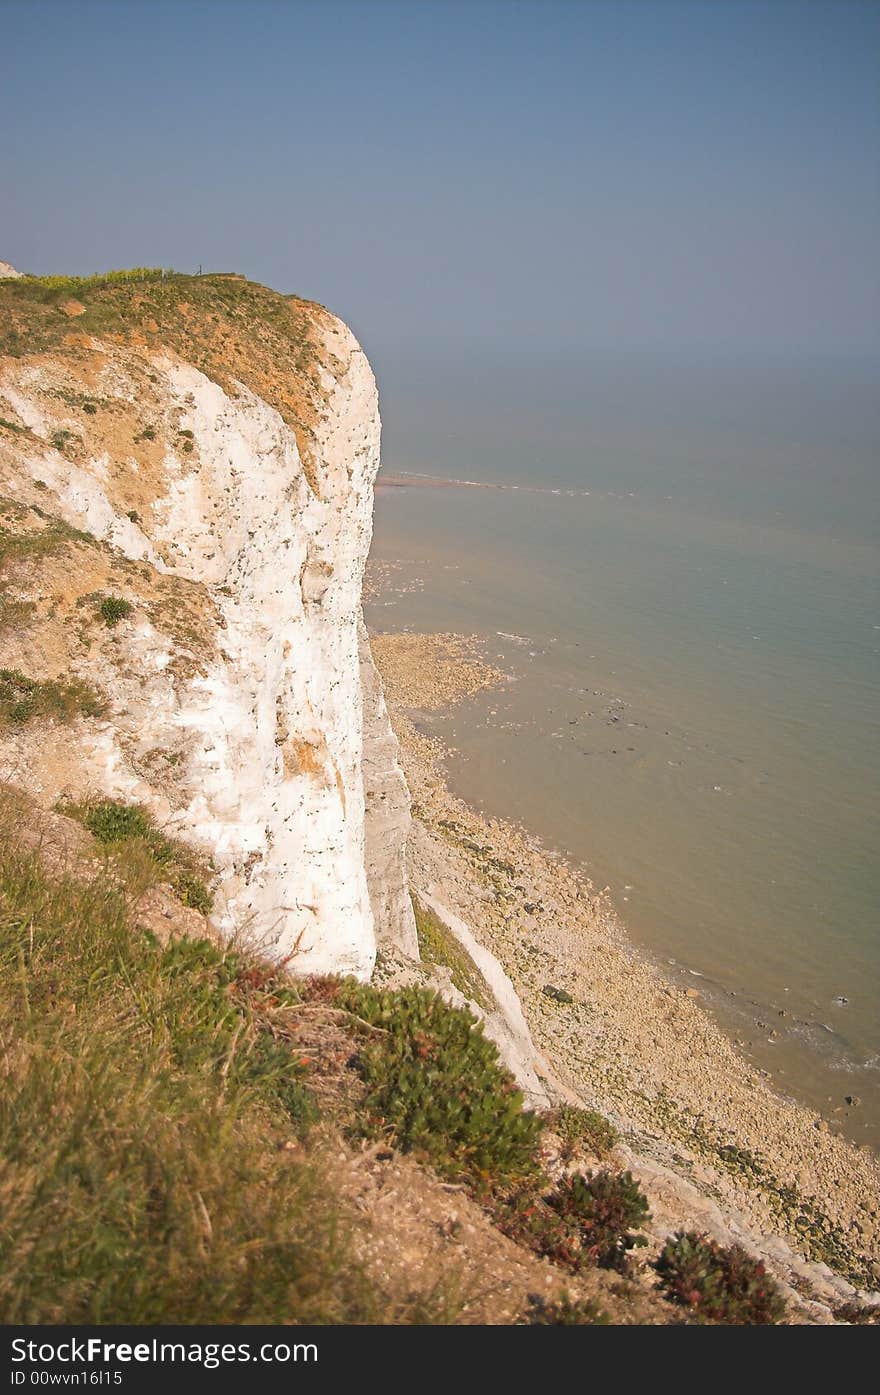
[(718, 1149)]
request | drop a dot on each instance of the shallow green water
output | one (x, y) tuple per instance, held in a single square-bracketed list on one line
[(692, 716)]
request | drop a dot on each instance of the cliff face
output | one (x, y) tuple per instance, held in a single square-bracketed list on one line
[(205, 451)]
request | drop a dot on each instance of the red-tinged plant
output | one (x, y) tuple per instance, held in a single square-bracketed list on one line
[(718, 1283)]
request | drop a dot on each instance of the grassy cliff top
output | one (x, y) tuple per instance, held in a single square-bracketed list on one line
[(232, 329)]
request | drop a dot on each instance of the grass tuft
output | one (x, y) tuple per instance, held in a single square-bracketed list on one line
[(113, 609), (122, 826)]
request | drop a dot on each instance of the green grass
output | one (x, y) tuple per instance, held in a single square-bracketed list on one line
[(438, 945), (233, 330), (113, 609), (151, 1124), (14, 614), (120, 826), (141, 1117), (24, 699), (32, 543)]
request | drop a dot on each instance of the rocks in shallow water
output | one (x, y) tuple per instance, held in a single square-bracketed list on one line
[(852, 1100), (559, 995)]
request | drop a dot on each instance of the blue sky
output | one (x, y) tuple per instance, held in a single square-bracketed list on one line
[(609, 174)]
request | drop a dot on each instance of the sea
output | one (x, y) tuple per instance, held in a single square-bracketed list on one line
[(674, 559)]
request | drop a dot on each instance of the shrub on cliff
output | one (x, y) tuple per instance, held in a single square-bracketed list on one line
[(113, 609), (718, 1283), (436, 1087), (582, 1130), (604, 1209), (584, 1221)]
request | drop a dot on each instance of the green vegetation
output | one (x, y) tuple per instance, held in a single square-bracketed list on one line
[(145, 1110), (155, 1162), (566, 1312), (523, 1214), (22, 699), (70, 285), (63, 440), (717, 1283), (14, 427), (436, 1087), (583, 1130), (119, 826), (113, 609), (819, 1237), (80, 400), (438, 945), (582, 1222), (604, 1209)]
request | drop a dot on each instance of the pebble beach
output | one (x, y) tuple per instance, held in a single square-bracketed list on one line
[(619, 1035)]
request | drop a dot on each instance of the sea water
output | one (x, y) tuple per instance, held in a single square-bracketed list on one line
[(676, 566)]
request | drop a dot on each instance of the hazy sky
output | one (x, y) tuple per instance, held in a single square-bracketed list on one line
[(602, 173)]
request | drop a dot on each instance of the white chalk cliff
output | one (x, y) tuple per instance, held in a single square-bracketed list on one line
[(235, 687)]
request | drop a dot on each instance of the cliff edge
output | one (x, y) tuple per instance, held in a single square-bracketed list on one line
[(186, 494)]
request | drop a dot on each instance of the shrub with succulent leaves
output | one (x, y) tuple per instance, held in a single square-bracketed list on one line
[(584, 1221), (718, 1283), (605, 1210), (436, 1087)]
